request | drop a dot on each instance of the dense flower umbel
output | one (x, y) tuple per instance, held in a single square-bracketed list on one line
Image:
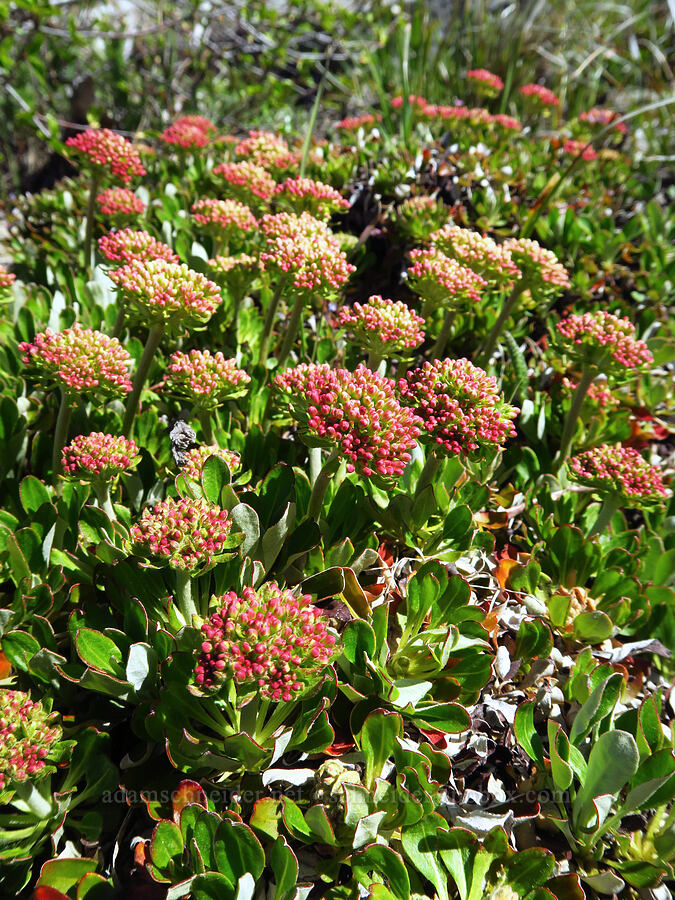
[(120, 203), (129, 245), (189, 132), (246, 178), (98, 457), (459, 405), (306, 249), (540, 270), (195, 459), (224, 265), (508, 122), (486, 79), (27, 735), (224, 217), (603, 118), (6, 278), (205, 378), (167, 292), (383, 326), (418, 216), (442, 281), (107, 153), (618, 470), (579, 148), (356, 413), (603, 341), (84, 361), (413, 99), (353, 123), (267, 150), (306, 195), (597, 393), (490, 260), (185, 534), (268, 639), (543, 95)]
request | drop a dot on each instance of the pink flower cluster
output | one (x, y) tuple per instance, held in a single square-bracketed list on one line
[(204, 378), (508, 122), (129, 245), (603, 117), (597, 392), (540, 269), (267, 639), (84, 361), (6, 278), (486, 78), (604, 341), (459, 405), (98, 456), (223, 216), (307, 195), (616, 469), (246, 178), (267, 150), (442, 281), (306, 249), (579, 148), (108, 152), (224, 265), (189, 132), (167, 292), (353, 123), (492, 261), (413, 99), (474, 116), (543, 95), (356, 413), (383, 326), (119, 202), (185, 534), (27, 736), (195, 459)]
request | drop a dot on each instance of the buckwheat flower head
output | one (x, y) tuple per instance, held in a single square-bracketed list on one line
[(597, 393), (618, 470), (183, 534), (306, 195), (353, 123), (442, 281), (417, 217), (540, 269), (267, 150), (460, 406), (189, 132), (356, 413), (490, 260), (83, 361), (98, 457), (541, 93), (266, 638), (120, 203), (27, 737), (246, 178), (224, 265), (603, 118), (582, 148), (167, 292), (508, 122), (413, 100), (383, 326), (473, 115), (223, 217), (602, 340), (7, 279), (106, 152), (304, 248), (207, 379), (194, 460), (486, 79), (129, 245)]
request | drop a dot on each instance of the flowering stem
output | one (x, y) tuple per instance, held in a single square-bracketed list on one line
[(204, 417), (403, 367), (569, 427), (140, 378), (438, 349), (279, 715), (119, 322), (314, 464), (36, 797), (102, 491), (374, 360), (428, 473), (89, 226), (61, 432), (485, 354), (291, 329), (321, 486), (609, 506), (183, 596), (269, 322)]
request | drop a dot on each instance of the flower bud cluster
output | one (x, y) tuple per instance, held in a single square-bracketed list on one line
[(356, 413), (246, 178), (353, 123), (224, 265), (604, 341), (618, 470), (490, 260), (540, 269), (194, 460), (579, 148), (508, 122), (383, 326), (442, 281), (598, 392), (129, 245), (413, 99), (120, 203), (207, 379), (107, 152), (6, 278), (543, 95), (304, 248), (98, 457), (267, 150), (418, 216), (459, 405), (306, 195), (269, 639), (167, 292), (189, 132), (27, 736), (184, 534), (84, 361), (603, 117), (486, 79), (223, 216)]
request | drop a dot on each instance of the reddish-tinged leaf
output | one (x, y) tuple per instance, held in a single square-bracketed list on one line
[(187, 792), (142, 854), (47, 893), (338, 748)]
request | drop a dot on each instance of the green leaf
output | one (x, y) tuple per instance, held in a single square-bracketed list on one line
[(238, 851), (245, 520), (166, 844), (212, 886), (420, 845), (559, 750), (64, 874), (592, 627), (526, 733), (612, 763), (284, 867), (421, 596), (533, 641), (458, 849), (215, 475), (600, 703), (387, 863), (378, 739), (448, 717), (98, 651), (33, 494), (19, 647), (529, 869), (358, 642)]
